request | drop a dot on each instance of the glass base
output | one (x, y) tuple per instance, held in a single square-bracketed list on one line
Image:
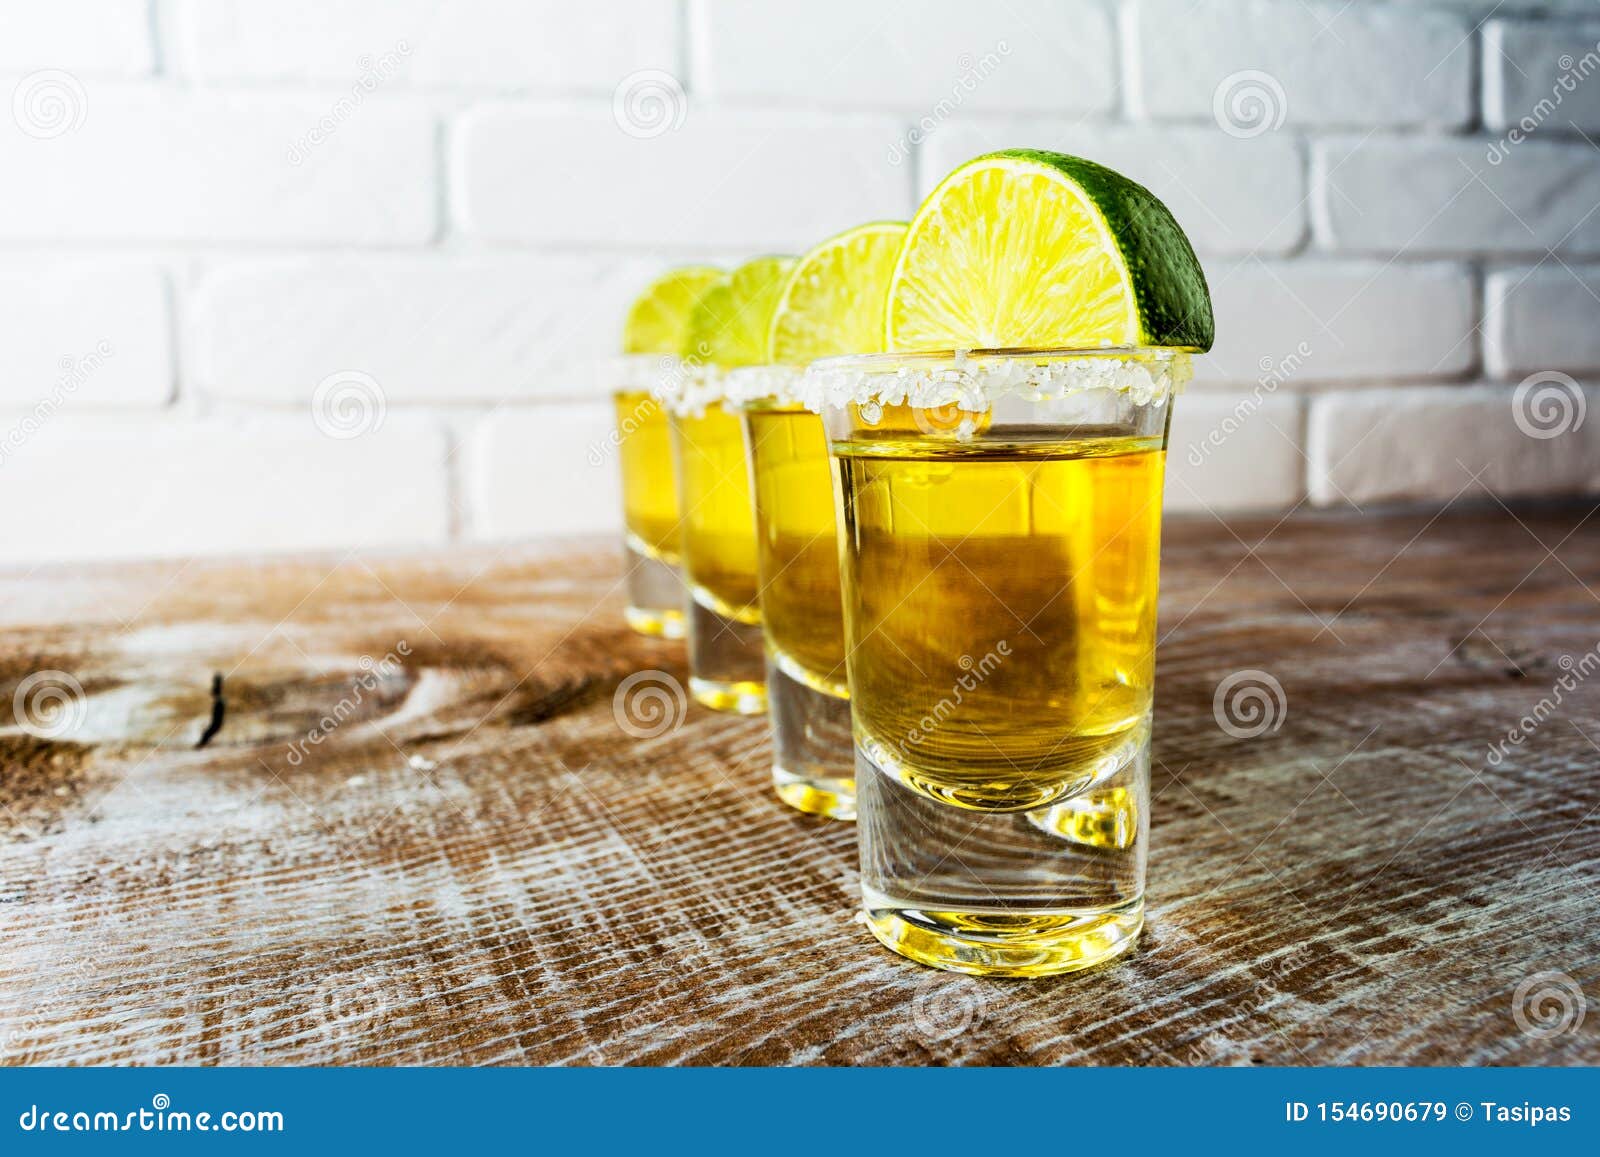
[(1001, 892), (657, 624), (655, 593), (833, 799), (739, 698), (727, 666), (813, 765), (1002, 945)]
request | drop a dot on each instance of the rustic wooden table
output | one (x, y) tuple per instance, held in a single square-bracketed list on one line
[(421, 835)]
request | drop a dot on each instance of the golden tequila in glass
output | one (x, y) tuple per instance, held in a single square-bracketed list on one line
[(651, 538), (726, 669), (999, 541), (802, 614)]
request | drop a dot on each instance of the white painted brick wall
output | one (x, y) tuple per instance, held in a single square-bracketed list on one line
[(534, 45), (1399, 194), (443, 211), (108, 489), (428, 329), (546, 471), (1544, 319), (1310, 64), (1340, 321), (113, 315), (1024, 55), (157, 164), (1235, 451), (1538, 73), (1231, 196), (755, 178), (1431, 445), (87, 36)]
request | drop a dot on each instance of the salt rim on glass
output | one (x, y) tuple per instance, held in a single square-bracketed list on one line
[(689, 387), (973, 380), (636, 373), (779, 385)]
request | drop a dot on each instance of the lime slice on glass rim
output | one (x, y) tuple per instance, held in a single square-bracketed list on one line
[(833, 300), (728, 325), (658, 320), (1032, 249)]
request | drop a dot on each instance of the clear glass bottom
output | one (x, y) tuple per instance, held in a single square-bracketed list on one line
[(813, 765), (992, 893), (727, 663), (656, 594)]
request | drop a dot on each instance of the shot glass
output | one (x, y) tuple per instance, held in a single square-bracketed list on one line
[(727, 670), (651, 536), (802, 614), (999, 532)]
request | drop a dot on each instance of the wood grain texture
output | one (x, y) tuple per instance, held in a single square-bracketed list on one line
[(478, 865)]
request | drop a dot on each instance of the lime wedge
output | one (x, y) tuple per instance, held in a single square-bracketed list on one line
[(1025, 248), (729, 324), (658, 320), (833, 301)]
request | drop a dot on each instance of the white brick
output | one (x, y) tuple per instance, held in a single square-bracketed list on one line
[(546, 470), (1230, 196), (533, 44), (1358, 321), (723, 178), (149, 163), (1543, 319), (1045, 55), (1486, 8), (1321, 64), (79, 36), (1538, 76), (1421, 196), (1426, 444), (85, 334), (150, 488), (428, 329), (1234, 452)]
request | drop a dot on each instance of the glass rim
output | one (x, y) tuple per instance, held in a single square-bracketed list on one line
[(635, 373), (975, 379), (885, 362), (745, 387)]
